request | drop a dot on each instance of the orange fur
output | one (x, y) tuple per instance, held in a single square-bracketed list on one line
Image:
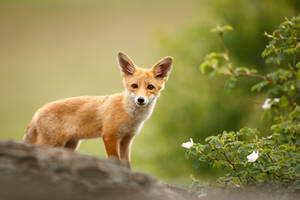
[(116, 118)]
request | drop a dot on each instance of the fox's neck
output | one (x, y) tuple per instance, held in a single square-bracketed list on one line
[(137, 113)]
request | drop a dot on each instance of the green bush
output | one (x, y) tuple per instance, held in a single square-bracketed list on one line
[(246, 156), (197, 106)]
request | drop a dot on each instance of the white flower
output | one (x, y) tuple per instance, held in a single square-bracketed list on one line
[(268, 103), (188, 144), (253, 156)]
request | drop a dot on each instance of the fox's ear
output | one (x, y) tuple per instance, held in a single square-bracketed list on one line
[(162, 68), (126, 64)]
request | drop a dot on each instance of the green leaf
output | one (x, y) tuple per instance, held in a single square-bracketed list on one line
[(259, 86)]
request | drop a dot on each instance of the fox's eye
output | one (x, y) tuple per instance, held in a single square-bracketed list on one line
[(150, 87), (134, 85)]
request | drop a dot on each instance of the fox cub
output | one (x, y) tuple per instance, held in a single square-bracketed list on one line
[(116, 118)]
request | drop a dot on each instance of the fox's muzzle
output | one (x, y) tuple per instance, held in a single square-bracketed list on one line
[(141, 101)]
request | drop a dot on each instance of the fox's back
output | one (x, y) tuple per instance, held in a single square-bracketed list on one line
[(70, 106), (80, 115)]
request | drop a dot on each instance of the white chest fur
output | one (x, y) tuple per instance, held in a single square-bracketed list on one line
[(138, 116)]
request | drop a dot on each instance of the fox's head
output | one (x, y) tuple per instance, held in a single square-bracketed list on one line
[(143, 86)]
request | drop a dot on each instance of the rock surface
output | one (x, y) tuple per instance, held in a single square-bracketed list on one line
[(44, 173)]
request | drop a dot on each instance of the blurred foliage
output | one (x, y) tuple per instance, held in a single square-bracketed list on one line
[(273, 160), (197, 106)]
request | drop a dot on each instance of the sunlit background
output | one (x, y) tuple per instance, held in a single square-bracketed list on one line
[(51, 50)]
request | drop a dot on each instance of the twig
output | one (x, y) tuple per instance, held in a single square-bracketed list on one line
[(270, 157), (232, 72), (233, 167), (294, 60), (223, 43), (246, 74), (252, 75)]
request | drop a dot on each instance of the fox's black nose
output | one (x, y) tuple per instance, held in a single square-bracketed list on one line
[(141, 100)]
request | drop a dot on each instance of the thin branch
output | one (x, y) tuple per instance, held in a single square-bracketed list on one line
[(246, 74), (252, 178), (270, 157), (287, 38), (294, 60), (223, 43), (233, 167), (252, 75), (231, 70)]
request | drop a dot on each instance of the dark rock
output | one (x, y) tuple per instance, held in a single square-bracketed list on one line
[(44, 173)]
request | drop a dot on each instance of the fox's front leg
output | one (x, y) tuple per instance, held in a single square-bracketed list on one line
[(125, 147), (111, 142)]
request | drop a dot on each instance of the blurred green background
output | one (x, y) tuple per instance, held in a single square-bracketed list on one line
[(56, 49)]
